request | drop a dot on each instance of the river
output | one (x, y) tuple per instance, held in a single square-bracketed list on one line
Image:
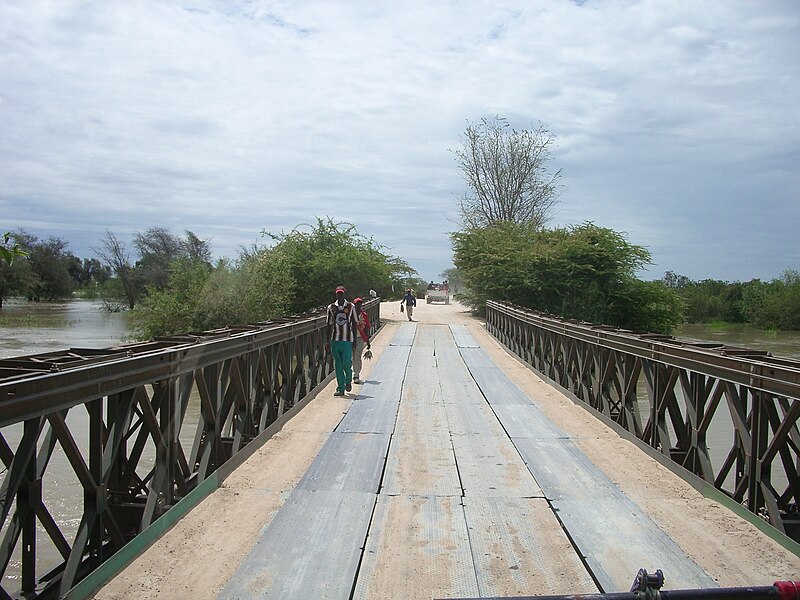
[(39, 327), (34, 328)]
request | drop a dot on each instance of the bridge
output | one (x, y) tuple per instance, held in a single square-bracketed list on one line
[(454, 471)]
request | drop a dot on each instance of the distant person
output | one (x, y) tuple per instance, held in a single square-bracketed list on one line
[(373, 293), (362, 338), (409, 302), (342, 324)]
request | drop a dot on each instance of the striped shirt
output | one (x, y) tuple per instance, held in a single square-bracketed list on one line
[(343, 320)]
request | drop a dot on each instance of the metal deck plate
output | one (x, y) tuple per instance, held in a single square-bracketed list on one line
[(471, 418), (311, 549), (485, 445), (489, 465), (526, 421), (457, 384), (405, 335), (421, 465), (563, 471), (386, 378), (482, 477), (435, 562), (348, 462), (618, 539), (370, 415), (519, 548), (615, 535), (463, 338), (426, 336), (418, 418), (494, 384)]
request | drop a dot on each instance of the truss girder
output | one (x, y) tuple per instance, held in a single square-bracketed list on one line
[(136, 464), (667, 392)]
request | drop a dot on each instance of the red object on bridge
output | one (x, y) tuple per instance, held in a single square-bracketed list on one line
[(788, 590)]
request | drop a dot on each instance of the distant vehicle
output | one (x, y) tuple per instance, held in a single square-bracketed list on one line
[(437, 292)]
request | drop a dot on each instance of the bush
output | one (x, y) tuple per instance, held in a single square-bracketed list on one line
[(331, 254), (198, 297), (583, 272)]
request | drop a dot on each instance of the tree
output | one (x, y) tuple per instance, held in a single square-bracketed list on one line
[(50, 263), (583, 272), (157, 249), (200, 297), (320, 257), (507, 176), (10, 249), (197, 249), (113, 252), (11, 271)]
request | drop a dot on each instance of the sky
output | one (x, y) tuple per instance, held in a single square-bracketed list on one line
[(676, 122)]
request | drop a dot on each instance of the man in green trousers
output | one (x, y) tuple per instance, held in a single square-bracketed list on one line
[(342, 325)]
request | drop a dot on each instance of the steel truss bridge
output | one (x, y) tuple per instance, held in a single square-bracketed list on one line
[(666, 392), (142, 454)]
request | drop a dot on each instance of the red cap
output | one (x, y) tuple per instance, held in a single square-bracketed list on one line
[(357, 300), (340, 288)]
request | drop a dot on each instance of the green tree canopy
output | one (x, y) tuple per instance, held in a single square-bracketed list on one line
[(583, 272), (199, 297), (769, 304), (329, 253)]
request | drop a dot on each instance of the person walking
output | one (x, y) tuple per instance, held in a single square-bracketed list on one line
[(410, 302), (362, 338), (342, 325)]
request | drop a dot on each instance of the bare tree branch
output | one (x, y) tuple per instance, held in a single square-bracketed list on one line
[(506, 172)]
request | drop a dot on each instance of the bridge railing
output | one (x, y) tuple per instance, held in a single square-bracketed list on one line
[(131, 430), (675, 395)]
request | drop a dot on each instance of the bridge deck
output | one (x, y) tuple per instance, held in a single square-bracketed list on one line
[(441, 479)]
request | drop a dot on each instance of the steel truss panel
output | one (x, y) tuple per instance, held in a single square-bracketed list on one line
[(349, 462), (666, 392), (616, 539), (146, 450), (311, 549), (436, 562), (405, 335), (518, 545)]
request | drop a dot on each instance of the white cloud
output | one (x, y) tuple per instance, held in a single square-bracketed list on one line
[(676, 122)]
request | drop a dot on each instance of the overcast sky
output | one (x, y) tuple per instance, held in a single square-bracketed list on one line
[(677, 122)]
